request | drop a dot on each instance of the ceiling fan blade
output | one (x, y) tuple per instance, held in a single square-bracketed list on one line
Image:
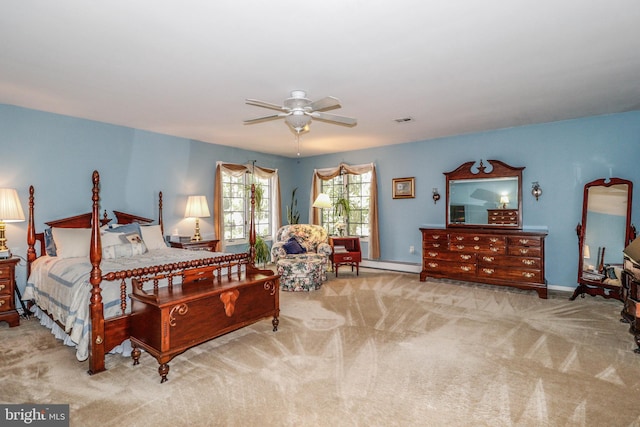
[(264, 104), (348, 121), (324, 104), (264, 119)]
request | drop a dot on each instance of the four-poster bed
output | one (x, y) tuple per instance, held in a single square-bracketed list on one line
[(100, 308)]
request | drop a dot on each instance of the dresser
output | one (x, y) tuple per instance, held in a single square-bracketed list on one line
[(502, 216), (499, 257), (8, 312)]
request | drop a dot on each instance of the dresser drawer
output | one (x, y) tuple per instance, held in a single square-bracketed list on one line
[(6, 272), (449, 256), (5, 287), (524, 241), (5, 303), (472, 238), (509, 261), (449, 267), (434, 236), (442, 245), (528, 251)]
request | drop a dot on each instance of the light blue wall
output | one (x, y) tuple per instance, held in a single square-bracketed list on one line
[(562, 156), (57, 155)]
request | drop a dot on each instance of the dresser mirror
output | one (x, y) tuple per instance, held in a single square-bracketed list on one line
[(484, 196), (604, 232)]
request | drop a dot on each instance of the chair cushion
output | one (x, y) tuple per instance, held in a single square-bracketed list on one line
[(293, 247)]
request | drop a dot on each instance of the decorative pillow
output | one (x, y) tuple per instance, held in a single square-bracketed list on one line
[(71, 242), (152, 236), (121, 245), (49, 243), (293, 247)]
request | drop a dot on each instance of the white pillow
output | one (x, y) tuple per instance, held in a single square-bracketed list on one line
[(71, 242), (152, 236), (121, 245)]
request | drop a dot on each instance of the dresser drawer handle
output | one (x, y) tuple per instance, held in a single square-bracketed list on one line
[(433, 254), (432, 264), (476, 238), (2, 287), (488, 270), (460, 246), (494, 249), (488, 258), (435, 236), (1, 303), (524, 251), (528, 261), (527, 274), (465, 268), (465, 257), (459, 238), (347, 258), (524, 241), (493, 239)]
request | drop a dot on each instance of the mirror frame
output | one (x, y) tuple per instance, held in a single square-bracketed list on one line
[(581, 228), (499, 170)]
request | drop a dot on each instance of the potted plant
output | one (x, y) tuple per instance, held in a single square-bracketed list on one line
[(293, 216), (341, 210), (262, 251)]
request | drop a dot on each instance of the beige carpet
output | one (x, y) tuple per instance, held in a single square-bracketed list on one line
[(383, 349)]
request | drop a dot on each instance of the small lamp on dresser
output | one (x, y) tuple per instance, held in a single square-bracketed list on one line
[(197, 208), (504, 201), (10, 211)]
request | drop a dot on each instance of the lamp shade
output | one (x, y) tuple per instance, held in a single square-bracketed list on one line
[(504, 199), (322, 201), (10, 208), (586, 253), (197, 207)]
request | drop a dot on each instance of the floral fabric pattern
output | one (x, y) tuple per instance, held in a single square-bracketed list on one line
[(307, 271)]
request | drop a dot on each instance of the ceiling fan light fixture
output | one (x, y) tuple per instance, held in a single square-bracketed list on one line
[(297, 120)]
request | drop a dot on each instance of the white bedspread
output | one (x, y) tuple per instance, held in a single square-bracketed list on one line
[(61, 287)]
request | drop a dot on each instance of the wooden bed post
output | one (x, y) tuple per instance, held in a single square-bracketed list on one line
[(160, 214), (31, 233), (96, 341), (252, 227)]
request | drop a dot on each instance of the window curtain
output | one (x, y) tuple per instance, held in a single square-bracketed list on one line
[(238, 170), (330, 173)]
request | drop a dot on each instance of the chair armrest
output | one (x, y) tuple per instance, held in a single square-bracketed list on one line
[(324, 249), (277, 251)]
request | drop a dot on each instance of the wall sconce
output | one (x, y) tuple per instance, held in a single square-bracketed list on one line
[(436, 195), (536, 190)]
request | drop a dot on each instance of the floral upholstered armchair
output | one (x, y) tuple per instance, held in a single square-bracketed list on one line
[(301, 253)]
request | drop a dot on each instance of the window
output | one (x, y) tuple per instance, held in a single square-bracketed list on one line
[(236, 205), (357, 190)]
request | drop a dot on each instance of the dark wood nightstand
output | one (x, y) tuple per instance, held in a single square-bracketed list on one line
[(201, 245), (8, 312), (347, 253)]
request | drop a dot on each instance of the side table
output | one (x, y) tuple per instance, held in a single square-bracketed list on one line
[(346, 251), (8, 312), (200, 245)]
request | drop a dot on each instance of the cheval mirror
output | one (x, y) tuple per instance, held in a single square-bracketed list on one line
[(604, 232)]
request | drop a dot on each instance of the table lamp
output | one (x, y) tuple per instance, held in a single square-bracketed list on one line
[(197, 208), (504, 200), (10, 211)]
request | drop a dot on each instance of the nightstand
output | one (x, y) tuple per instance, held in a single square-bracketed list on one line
[(346, 251), (201, 245), (8, 312)]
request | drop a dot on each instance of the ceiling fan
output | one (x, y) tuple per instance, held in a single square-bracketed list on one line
[(298, 111)]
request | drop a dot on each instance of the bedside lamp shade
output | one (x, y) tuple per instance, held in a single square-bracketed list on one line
[(322, 201), (10, 211), (197, 207), (504, 200)]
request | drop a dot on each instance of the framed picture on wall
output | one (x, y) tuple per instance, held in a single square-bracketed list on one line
[(404, 188)]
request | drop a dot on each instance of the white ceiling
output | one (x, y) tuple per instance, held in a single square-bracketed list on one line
[(185, 67)]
